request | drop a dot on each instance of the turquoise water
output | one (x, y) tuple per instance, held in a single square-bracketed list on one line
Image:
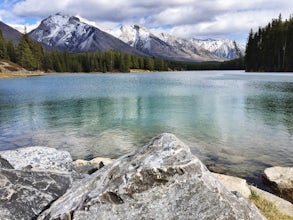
[(240, 121)]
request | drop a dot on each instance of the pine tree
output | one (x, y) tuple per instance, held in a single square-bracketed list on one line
[(25, 56), (11, 51), (149, 64), (271, 47), (3, 49)]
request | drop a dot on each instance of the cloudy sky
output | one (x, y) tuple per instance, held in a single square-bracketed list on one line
[(185, 18)]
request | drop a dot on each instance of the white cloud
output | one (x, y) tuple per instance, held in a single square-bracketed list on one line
[(187, 18)]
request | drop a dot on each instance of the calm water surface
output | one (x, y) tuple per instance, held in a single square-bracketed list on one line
[(241, 121)]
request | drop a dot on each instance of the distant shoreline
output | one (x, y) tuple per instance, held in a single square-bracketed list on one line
[(23, 74), (20, 75)]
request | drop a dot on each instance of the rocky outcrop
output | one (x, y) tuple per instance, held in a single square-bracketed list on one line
[(39, 158), (26, 191), (280, 180), (162, 180)]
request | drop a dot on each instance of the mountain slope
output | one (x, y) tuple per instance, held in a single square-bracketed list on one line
[(75, 34), (67, 33), (161, 46), (10, 33), (226, 49), (171, 47)]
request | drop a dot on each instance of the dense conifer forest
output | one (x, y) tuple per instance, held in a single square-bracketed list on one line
[(271, 47), (31, 55)]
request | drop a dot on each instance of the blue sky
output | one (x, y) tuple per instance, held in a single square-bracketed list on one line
[(184, 18)]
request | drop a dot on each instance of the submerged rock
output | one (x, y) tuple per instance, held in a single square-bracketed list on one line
[(162, 180), (24, 194), (280, 180), (39, 158)]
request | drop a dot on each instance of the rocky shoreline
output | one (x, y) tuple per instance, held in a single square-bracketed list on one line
[(161, 180)]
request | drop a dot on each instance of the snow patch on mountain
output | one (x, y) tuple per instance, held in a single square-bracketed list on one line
[(226, 49), (69, 33), (161, 45), (59, 29), (76, 34), (189, 49)]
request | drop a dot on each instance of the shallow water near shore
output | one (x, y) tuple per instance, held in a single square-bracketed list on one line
[(242, 122)]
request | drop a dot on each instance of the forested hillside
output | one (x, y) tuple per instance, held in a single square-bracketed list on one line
[(30, 55), (271, 47)]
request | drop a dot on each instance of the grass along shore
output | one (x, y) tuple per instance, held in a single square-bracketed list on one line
[(9, 69), (20, 74)]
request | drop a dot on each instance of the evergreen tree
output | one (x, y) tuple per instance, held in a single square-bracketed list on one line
[(3, 49), (25, 56), (11, 51), (271, 47), (149, 64)]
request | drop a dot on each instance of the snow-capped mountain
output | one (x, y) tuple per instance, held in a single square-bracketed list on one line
[(63, 32), (75, 34), (171, 47), (226, 49), (162, 45)]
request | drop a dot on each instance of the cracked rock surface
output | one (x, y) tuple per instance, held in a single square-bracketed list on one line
[(161, 180), (37, 177), (24, 194)]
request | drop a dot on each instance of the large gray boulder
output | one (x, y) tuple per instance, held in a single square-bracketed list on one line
[(24, 194), (162, 180), (280, 180), (39, 158), (31, 179)]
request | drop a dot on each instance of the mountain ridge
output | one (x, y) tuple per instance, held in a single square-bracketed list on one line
[(9, 33), (68, 33), (224, 49), (206, 50), (75, 34)]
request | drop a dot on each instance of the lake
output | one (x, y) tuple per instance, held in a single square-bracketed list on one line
[(240, 121)]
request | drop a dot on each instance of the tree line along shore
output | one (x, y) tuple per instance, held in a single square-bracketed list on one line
[(31, 56), (270, 49)]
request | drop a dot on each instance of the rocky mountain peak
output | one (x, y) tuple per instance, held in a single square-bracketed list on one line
[(75, 34), (68, 33)]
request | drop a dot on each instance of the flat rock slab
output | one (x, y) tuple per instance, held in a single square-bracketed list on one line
[(24, 194), (234, 184), (40, 158), (162, 180), (280, 180)]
